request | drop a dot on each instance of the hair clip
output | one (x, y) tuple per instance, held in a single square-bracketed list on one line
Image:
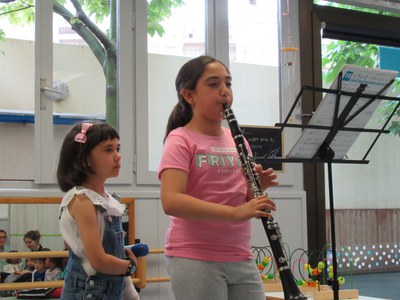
[(81, 137)]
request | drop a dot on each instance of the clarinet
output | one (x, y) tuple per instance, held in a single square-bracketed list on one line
[(290, 289)]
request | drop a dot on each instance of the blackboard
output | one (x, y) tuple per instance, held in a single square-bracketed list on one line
[(265, 142)]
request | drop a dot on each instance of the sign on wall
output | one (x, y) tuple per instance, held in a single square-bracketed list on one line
[(265, 142)]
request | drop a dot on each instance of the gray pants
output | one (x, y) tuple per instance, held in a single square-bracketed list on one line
[(207, 280)]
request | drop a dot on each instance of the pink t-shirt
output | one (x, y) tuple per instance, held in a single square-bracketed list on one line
[(214, 175)]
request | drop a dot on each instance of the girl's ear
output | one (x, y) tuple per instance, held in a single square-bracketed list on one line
[(187, 96)]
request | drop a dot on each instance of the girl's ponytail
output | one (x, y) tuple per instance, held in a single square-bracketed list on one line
[(181, 115)]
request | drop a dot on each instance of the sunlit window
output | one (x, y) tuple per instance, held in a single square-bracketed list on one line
[(76, 90), (183, 38), (254, 60)]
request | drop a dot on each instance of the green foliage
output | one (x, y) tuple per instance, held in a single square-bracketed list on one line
[(2, 35), (159, 10), (98, 8), (338, 53), (389, 107), (2, 39), (19, 12), (356, 8)]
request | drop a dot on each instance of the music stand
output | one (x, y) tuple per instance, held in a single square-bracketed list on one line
[(319, 140)]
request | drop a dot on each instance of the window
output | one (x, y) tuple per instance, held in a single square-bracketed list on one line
[(249, 38), (62, 82), (254, 60)]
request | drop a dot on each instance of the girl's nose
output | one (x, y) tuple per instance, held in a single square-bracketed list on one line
[(225, 91)]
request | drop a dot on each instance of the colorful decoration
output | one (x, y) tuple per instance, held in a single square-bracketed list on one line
[(313, 276)]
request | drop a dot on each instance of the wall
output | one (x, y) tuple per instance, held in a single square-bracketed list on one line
[(359, 182)]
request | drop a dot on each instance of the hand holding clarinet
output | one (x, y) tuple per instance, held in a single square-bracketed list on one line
[(267, 177)]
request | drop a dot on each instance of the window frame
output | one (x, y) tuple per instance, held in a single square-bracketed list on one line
[(44, 155), (43, 129), (217, 45)]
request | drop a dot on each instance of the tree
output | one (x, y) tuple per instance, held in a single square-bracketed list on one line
[(338, 53), (102, 44)]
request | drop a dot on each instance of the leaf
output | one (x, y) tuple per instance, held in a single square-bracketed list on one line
[(339, 53), (2, 35), (157, 12)]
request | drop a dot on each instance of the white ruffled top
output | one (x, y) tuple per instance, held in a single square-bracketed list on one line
[(110, 204), (68, 226)]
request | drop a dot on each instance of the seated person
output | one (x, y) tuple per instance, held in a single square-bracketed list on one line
[(23, 275), (39, 274), (12, 267), (54, 268), (3, 248), (30, 267)]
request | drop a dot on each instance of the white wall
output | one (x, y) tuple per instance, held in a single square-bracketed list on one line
[(373, 185)]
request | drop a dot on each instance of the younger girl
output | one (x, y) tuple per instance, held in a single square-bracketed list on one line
[(54, 271), (90, 220), (205, 193)]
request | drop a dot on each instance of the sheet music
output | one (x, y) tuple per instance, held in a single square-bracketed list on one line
[(310, 140)]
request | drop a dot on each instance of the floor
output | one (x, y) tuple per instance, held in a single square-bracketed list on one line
[(380, 285)]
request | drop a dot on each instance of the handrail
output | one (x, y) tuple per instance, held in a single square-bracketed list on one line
[(139, 279), (13, 286), (33, 254), (130, 203)]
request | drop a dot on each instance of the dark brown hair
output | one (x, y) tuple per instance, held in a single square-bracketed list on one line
[(3, 231), (73, 168), (33, 235), (57, 261), (187, 78)]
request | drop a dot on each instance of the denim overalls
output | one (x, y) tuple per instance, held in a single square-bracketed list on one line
[(77, 285)]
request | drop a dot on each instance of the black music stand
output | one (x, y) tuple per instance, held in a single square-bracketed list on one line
[(340, 122)]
